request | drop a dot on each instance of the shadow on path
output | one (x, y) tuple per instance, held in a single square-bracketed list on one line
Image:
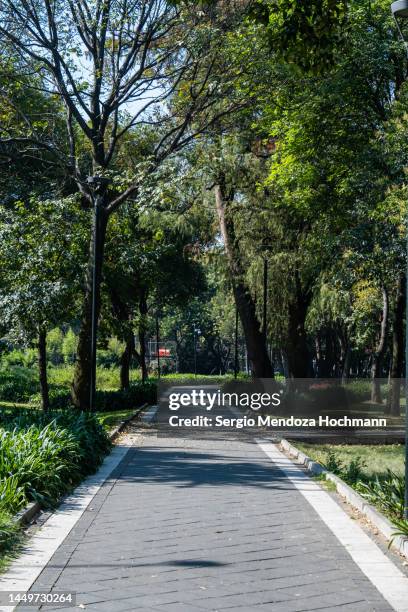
[(161, 465)]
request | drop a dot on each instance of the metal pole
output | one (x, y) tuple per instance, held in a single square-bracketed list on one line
[(406, 380), (94, 321), (400, 9), (195, 354), (265, 296), (236, 344), (157, 344)]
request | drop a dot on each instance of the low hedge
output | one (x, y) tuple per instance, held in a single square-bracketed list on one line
[(137, 394), (105, 401)]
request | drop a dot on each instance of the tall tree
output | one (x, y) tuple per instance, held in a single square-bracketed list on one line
[(114, 65), (41, 258)]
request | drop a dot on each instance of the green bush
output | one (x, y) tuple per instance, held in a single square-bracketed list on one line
[(106, 359), (44, 455), (55, 338), (351, 472), (138, 393), (106, 378), (9, 534), (59, 399), (24, 358), (358, 390), (105, 401), (69, 346), (386, 493), (17, 384), (334, 464)]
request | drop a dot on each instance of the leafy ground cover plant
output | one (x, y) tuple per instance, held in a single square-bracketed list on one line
[(42, 456), (386, 493), (367, 469)]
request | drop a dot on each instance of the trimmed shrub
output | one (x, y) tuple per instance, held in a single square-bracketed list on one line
[(105, 401), (138, 393)]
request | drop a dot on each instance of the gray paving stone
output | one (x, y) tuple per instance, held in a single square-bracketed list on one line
[(205, 525)]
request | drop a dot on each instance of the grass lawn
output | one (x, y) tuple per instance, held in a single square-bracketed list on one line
[(372, 411), (376, 458), (109, 420), (17, 405)]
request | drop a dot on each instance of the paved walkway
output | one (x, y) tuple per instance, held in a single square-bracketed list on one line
[(190, 525)]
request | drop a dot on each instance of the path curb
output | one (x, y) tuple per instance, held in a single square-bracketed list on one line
[(384, 526), (113, 434), (33, 509)]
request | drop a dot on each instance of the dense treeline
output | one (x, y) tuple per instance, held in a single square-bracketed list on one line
[(244, 159)]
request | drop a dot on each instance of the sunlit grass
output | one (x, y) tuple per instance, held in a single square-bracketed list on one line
[(377, 458), (109, 420)]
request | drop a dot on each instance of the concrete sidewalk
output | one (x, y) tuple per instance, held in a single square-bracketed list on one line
[(187, 525)]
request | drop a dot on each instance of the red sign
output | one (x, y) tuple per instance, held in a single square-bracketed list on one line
[(163, 352)]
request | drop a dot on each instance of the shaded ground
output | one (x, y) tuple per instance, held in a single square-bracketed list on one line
[(190, 525)]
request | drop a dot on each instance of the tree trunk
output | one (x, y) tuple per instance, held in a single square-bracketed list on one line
[(42, 369), (297, 350), (318, 351), (379, 352), (125, 361), (122, 311), (254, 338), (142, 333), (346, 365), (81, 386), (345, 354), (330, 353), (396, 371)]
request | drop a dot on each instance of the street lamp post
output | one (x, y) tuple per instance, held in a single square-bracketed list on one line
[(236, 364), (265, 299), (196, 332), (158, 344), (400, 11), (98, 186)]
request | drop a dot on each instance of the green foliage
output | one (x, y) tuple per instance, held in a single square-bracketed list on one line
[(366, 468), (44, 456), (304, 33), (333, 463), (106, 378), (59, 399), (137, 394), (55, 339), (69, 346), (354, 471), (402, 528), (25, 358), (17, 384), (387, 493), (351, 472), (9, 534), (39, 286), (111, 419), (106, 400)]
